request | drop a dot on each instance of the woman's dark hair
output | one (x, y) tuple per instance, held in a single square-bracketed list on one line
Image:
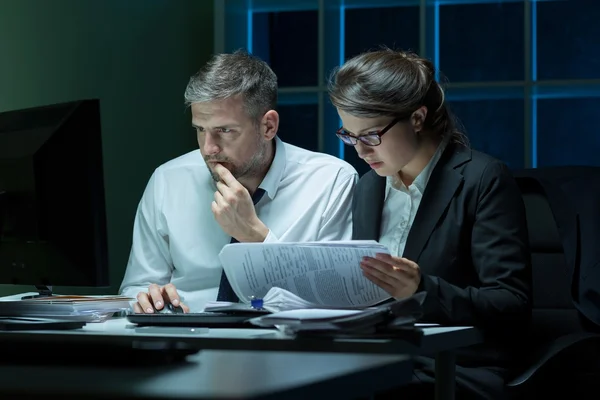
[(393, 83)]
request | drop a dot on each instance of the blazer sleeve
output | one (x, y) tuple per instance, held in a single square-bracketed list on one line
[(500, 256)]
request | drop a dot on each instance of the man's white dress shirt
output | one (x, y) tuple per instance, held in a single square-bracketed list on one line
[(177, 239), (401, 205)]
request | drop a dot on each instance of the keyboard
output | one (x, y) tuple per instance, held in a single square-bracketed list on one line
[(201, 319)]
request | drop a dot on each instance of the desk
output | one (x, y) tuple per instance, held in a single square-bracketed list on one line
[(213, 374), (437, 341)]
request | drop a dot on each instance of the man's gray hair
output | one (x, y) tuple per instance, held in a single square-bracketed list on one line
[(237, 73)]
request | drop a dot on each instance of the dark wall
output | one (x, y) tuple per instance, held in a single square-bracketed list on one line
[(136, 56)]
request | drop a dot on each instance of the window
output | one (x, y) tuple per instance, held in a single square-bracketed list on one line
[(567, 126), (493, 125), (294, 57), (480, 42), (523, 76), (298, 120)]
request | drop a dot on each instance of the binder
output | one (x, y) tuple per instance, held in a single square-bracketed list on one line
[(398, 316)]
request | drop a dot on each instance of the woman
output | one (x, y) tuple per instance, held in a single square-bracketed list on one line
[(452, 217)]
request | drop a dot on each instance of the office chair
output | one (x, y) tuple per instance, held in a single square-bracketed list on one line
[(564, 351)]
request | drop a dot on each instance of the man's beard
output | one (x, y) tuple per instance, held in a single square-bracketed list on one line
[(252, 168)]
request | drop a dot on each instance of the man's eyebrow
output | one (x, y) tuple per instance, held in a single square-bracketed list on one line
[(223, 126)]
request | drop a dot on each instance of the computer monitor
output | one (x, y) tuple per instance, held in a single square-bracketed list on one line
[(52, 208)]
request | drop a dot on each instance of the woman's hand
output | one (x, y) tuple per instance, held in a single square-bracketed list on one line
[(398, 276)]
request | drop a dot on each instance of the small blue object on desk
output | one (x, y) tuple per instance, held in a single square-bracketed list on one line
[(256, 303)]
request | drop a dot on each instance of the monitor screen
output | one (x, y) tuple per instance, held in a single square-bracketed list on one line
[(52, 210)]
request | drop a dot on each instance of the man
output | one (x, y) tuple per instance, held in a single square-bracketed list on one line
[(197, 203)]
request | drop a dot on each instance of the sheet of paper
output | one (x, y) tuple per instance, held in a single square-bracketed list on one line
[(321, 273)]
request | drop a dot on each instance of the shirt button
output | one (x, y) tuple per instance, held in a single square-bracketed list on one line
[(403, 224)]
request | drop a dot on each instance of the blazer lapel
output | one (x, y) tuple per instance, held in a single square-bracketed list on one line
[(441, 188), (367, 208)]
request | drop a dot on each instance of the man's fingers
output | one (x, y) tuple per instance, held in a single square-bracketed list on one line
[(233, 195), (228, 194), (186, 309), (156, 296), (222, 188), (137, 308), (225, 175), (220, 203), (171, 295), (144, 303)]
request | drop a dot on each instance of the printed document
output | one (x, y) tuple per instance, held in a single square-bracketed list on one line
[(303, 275)]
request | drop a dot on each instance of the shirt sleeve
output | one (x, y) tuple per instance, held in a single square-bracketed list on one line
[(337, 219), (149, 258), (271, 237)]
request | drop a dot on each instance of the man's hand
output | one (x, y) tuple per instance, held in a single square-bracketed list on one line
[(398, 276), (234, 211), (156, 298)]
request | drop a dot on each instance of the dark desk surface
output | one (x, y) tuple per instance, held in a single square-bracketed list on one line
[(119, 331), (212, 374), (300, 367)]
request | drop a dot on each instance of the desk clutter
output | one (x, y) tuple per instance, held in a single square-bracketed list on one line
[(304, 288), (73, 308), (390, 316), (301, 288)]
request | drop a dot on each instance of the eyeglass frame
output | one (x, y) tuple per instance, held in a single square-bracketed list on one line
[(378, 134)]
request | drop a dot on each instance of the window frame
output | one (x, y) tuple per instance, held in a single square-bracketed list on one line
[(331, 34)]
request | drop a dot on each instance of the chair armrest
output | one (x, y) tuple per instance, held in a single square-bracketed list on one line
[(550, 351)]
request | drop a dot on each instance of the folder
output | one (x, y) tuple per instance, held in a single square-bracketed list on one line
[(395, 316)]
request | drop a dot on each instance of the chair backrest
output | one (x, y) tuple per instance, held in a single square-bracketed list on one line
[(553, 311)]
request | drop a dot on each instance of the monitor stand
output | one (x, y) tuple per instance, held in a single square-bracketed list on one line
[(43, 291)]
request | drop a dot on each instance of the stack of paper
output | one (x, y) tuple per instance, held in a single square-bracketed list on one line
[(82, 308), (292, 321), (308, 315)]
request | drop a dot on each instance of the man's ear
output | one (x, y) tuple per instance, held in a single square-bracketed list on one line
[(270, 124), (418, 118)]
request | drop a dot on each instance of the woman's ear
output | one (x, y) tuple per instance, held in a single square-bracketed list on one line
[(418, 118), (270, 124)]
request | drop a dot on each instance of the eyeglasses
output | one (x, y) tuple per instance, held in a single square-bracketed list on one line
[(370, 139)]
